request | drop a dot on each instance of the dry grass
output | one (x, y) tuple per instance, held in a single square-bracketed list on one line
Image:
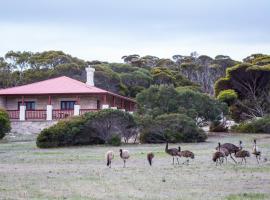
[(27, 172)]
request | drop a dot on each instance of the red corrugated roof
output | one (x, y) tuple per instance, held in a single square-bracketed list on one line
[(60, 85)]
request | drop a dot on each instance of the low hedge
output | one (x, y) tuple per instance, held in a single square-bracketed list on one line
[(4, 123), (260, 125), (106, 126), (173, 128)]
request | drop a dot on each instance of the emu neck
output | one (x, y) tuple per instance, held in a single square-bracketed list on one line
[(166, 148), (121, 154)]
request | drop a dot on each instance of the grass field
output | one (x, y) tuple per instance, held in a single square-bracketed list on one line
[(27, 172)]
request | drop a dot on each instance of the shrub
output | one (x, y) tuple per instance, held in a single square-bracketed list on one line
[(217, 126), (4, 123), (172, 128), (227, 96), (115, 140), (261, 125), (92, 128)]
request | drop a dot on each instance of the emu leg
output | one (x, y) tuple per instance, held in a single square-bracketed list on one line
[(257, 159), (233, 159), (245, 161), (173, 160), (124, 163), (177, 160)]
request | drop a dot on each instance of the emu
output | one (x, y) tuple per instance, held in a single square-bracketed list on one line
[(243, 154), (124, 154), (220, 154), (187, 154), (150, 157), (109, 156), (217, 157), (231, 149), (256, 151), (172, 152)]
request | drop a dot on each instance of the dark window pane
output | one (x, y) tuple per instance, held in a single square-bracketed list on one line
[(67, 105), (30, 105)]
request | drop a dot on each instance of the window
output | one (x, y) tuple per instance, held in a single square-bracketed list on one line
[(30, 105), (67, 105)]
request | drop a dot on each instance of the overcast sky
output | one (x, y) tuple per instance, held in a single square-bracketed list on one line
[(108, 29)]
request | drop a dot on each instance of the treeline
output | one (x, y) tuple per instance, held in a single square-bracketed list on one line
[(136, 74), (243, 86)]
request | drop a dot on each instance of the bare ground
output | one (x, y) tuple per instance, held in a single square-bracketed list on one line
[(27, 172)]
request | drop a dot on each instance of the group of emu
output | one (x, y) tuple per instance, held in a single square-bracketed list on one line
[(222, 152)]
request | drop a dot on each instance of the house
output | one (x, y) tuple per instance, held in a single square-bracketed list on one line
[(59, 98)]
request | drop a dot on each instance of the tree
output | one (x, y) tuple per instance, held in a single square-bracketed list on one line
[(111, 122), (222, 57), (20, 60), (131, 58), (6, 79), (150, 61), (228, 96), (201, 107), (136, 81), (159, 100), (251, 83), (194, 54)]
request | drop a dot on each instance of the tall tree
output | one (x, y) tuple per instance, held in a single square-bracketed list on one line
[(20, 60), (252, 84)]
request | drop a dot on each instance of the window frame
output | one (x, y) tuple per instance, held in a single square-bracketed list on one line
[(26, 104), (67, 105)]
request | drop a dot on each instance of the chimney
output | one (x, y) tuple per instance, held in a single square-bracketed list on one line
[(90, 76)]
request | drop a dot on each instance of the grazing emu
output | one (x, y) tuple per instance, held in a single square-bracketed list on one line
[(124, 154), (173, 152), (242, 154), (256, 152), (219, 155), (187, 154), (150, 157), (109, 156), (231, 149)]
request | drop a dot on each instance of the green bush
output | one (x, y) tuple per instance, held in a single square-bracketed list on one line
[(227, 96), (217, 126), (91, 128), (173, 128), (4, 123), (115, 140), (261, 125)]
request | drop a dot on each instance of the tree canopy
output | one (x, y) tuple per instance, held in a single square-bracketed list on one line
[(163, 99), (251, 83)]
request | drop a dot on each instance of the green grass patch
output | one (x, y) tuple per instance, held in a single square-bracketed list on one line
[(248, 196)]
